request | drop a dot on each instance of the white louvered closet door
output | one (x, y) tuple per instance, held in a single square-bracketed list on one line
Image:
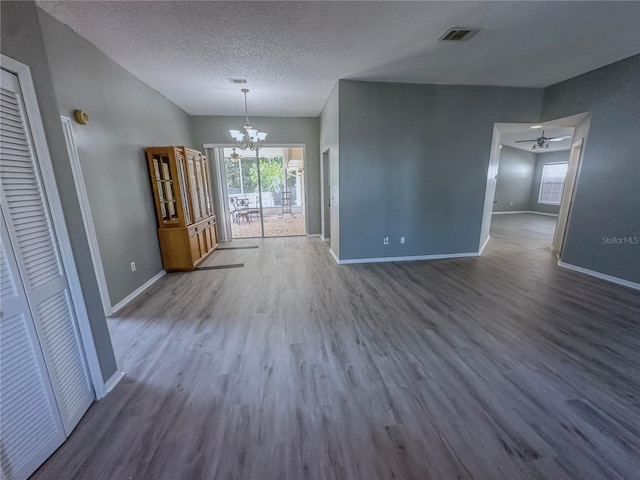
[(30, 424), (33, 243)]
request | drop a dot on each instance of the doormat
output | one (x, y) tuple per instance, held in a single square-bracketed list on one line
[(236, 248), (220, 267)]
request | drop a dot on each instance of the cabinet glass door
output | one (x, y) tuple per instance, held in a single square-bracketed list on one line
[(183, 190), (192, 178), (200, 171), (164, 187), (205, 187)]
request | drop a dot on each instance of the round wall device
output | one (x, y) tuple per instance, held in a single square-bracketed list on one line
[(81, 117)]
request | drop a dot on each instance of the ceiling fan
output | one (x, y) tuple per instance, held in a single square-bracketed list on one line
[(542, 141)]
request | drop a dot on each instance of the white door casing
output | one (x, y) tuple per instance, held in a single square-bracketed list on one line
[(45, 169), (44, 321), (325, 196), (87, 217), (567, 197), (31, 234)]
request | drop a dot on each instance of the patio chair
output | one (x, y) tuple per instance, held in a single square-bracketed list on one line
[(239, 210), (256, 210)]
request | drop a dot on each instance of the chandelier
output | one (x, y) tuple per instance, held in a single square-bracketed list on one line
[(250, 138)]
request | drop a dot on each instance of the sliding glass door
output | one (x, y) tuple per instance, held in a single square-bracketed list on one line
[(265, 191)]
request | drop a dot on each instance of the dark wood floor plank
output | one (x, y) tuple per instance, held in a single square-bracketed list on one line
[(499, 367)]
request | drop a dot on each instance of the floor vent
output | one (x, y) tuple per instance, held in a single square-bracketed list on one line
[(457, 34)]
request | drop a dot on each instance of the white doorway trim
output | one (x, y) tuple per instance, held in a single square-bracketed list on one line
[(490, 192), (575, 160), (85, 209), (325, 164), (574, 121), (55, 206)]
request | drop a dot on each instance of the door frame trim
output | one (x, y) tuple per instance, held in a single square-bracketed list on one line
[(85, 209), (564, 212), (323, 200), (43, 159)]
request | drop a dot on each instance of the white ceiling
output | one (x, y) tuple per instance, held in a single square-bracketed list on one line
[(293, 52)]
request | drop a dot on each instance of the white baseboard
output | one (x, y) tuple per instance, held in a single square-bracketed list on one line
[(484, 245), (314, 235), (543, 213), (602, 276), (335, 257), (112, 382), (407, 259), (525, 211), (121, 304)]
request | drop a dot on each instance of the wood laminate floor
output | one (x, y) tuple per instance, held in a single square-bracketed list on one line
[(292, 367)]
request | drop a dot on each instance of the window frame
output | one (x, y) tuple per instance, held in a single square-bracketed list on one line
[(542, 201)]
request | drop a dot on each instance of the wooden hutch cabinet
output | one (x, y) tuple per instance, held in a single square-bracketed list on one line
[(186, 223)]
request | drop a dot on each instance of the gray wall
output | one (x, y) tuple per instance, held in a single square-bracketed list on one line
[(126, 116), (607, 194), (330, 142), (22, 40), (280, 130), (515, 176), (541, 160), (413, 163)]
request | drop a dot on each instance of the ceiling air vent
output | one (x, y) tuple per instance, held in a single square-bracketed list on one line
[(238, 80), (458, 33)]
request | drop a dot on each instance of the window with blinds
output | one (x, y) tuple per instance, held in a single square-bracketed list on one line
[(552, 183)]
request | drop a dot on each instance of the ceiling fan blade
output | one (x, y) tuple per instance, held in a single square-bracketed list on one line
[(520, 141), (557, 139)]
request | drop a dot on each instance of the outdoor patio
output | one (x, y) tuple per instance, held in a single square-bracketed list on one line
[(274, 226)]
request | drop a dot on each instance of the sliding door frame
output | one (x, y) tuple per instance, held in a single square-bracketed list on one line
[(222, 187)]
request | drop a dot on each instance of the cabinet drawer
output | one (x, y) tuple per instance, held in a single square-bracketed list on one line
[(195, 230)]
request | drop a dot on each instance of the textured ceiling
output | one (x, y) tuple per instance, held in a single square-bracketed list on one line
[(292, 53)]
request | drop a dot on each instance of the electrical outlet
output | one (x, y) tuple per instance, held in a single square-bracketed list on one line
[(385, 240), (401, 239), (133, 266)]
